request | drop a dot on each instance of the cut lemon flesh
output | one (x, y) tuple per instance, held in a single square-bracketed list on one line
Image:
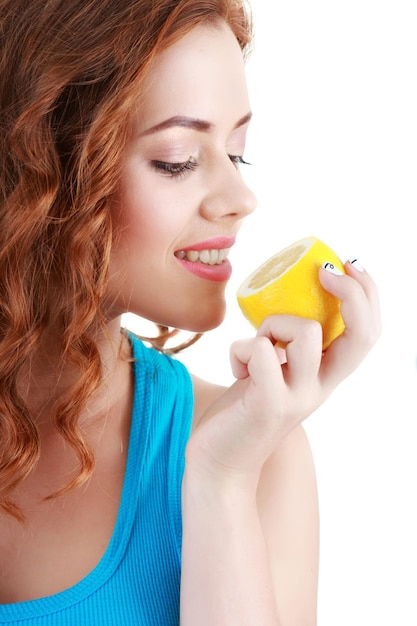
[(288, 283)]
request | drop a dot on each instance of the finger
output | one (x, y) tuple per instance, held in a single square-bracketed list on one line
[(303, 338), (360, 301), (355, 269), (281, 353), (360, 313), (257, 358)]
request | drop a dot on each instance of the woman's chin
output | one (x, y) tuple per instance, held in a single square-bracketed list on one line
[(209, 320)]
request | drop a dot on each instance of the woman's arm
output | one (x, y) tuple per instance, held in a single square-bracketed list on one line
[(288, 510), (247, 552)]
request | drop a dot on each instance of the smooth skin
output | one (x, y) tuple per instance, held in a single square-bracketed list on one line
[(250, 515)]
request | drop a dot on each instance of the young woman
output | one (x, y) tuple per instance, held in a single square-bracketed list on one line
[(131, 491)]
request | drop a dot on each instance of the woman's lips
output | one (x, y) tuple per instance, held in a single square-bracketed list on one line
[(208, 259)]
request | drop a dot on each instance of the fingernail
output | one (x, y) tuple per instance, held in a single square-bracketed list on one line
[(329, 267), (354, 261)]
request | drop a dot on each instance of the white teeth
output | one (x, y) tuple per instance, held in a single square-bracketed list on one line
[(222, 255), (208, 257), (214, 257), (192, 255), (205, 256)]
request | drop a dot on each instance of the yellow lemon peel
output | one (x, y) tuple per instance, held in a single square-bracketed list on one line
[(288, 283)]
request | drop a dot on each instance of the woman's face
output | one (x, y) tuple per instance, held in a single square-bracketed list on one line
[(182, 198)]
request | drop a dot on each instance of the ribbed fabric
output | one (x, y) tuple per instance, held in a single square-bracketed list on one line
[(137, 581)]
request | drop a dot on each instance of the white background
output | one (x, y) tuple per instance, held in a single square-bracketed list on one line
[(334, 150)]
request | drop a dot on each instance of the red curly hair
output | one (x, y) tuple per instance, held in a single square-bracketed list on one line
[(70, 72)]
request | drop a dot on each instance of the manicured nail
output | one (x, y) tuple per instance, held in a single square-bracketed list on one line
[(329, 267), (354, 261)]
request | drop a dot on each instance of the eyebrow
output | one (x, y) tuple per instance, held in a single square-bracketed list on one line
[(184, 121)]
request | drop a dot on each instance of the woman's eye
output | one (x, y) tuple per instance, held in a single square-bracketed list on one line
[(238, 160), (174, 169)]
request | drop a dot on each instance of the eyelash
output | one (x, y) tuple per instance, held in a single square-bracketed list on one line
[(238, 160), (175, 170)]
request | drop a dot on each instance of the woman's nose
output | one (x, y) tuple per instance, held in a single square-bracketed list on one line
[(227, 195)]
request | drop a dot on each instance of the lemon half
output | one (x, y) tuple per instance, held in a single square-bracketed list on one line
[(289, 283)]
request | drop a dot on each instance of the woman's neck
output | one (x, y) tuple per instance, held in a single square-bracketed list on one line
[(46, 378)]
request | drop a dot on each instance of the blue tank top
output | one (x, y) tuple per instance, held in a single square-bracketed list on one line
[(137, 581)]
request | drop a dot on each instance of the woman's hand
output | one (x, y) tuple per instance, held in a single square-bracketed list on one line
[(273, 392)]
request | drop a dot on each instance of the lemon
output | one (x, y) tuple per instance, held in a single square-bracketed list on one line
[(289, 283)]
